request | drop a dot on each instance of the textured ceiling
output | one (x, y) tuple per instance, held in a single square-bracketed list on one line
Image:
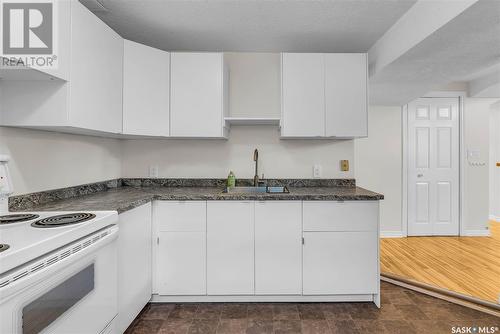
[(468, 44), (253, 25)]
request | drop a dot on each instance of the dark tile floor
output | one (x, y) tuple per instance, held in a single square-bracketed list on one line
[(403, 311)]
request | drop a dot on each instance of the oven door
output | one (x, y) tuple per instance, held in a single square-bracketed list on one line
[(72, 290)]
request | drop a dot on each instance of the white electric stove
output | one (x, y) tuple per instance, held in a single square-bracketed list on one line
[(58, 270), (32, 234)]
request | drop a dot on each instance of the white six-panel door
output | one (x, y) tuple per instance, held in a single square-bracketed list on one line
[(433, 167)]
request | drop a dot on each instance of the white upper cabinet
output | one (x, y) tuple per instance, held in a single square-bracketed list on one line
[(91, 98), (198, 99), (96, 73), (324, 95), (303, 92), (146, 90), (346, 95)]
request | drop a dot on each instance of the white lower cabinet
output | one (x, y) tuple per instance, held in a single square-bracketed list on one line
[(278, 248), (181, 264), (230, 248), (134, 264), (340, 252), (181, 247), (340, 263), (258, 250)]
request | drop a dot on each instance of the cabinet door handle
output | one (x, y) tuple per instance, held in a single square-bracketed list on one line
[(303, 241)]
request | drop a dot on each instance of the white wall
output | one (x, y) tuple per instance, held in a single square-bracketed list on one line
[(214, 158), (494, 158), (378, 164), (255, 83), (46, 160), (476, 188)]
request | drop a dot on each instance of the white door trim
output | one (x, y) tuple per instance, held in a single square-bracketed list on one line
[(462, 156)]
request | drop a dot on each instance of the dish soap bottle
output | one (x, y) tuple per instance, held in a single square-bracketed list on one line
[(231, 180)]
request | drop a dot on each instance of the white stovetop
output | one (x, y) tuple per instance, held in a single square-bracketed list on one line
[(27, 242)]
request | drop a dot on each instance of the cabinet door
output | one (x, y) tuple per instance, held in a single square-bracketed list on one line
[(340, 263), (230, 248), (134, 264), (96, 73), (146, 90), (348, 216), (278, 248), (346, 94), (180, 216), (181, 263), (181, 250), (196, 95), (303, 95)]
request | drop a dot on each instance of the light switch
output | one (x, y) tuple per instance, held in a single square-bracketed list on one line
[(344, 165)]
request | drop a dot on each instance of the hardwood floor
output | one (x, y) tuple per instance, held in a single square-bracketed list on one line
[(467, 265), (403, 311)]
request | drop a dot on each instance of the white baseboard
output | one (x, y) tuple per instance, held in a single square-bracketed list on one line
[(265, 298), (495, 218), (476, 233), (391, 234)]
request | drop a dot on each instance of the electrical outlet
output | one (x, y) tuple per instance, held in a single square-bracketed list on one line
[(317, 171), (153, 171), (344, 165)]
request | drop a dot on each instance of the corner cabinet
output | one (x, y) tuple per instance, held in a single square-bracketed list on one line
[(87, 96), (146, 90), (198, 95), (324, 95)]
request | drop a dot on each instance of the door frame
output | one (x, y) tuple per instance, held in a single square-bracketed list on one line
[(461, 158)]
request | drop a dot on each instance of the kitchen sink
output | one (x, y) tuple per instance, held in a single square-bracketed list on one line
[(256, 190)]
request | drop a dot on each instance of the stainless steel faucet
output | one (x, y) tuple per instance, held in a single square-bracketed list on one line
[(256, 176)]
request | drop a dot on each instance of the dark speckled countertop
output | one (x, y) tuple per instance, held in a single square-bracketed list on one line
[(125, 198)]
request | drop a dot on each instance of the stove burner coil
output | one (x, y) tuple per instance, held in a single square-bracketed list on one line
[(63, 220)]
